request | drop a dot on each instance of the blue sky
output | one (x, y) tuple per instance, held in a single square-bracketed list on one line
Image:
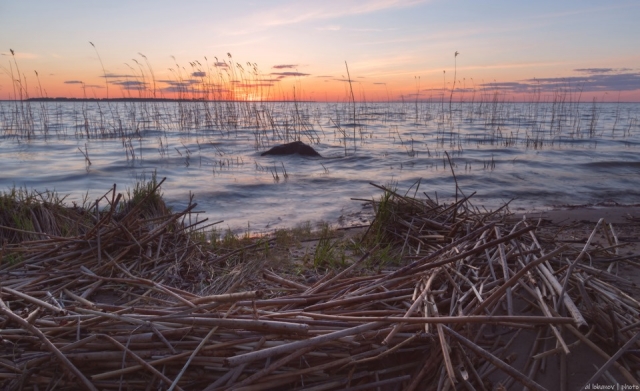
[(393, 48)]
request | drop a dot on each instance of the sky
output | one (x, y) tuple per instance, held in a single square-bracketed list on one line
[(381, 50)]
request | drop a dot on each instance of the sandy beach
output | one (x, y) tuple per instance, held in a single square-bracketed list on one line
[(574, 225)]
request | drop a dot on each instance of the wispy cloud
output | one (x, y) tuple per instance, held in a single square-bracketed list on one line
[(116, 76), (184, 90), (513, 65), (199, 74), (285, 66), (176, 89), (20, 55), (602, 70), (300, 12), (291, 12), (595, 82), (133, 85), (440, 90), (253, 85), (182, 83), (599, 82), (72, 82), (282, 75)]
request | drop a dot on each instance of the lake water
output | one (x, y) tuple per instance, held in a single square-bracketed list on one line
[(538, 154)]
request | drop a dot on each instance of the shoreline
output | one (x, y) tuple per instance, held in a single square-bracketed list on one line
[(589, 213), (141, 275)]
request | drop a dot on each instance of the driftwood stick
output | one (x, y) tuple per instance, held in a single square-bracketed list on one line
[(168, 359), (560, 303), (193, 354), (35, 301), (446, 319), (470, 368), (358, 299), (343, 273), (284, 360), (228, 297), (237, 372), (78, 344), (500, 291), (629, 327), (613, 359), (245, 324), (343, 362), (387, 352), (505, 271), (627, 375), (519, 376), (427, 367), (473, 251), (568, 302), (443, 250), (270, 352), (114, 316), (419, 300), (162, 338), (269, 275), (444, 346), (545, 310), (63, 359), (139, 359), (79, 299), (616, 242)]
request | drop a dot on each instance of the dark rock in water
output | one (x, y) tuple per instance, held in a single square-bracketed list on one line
[(290, 148)]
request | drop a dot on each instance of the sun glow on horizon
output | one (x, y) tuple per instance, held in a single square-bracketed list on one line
[(230, 80), (287, 50)]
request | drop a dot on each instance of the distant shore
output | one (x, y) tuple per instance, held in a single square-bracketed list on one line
[(64, 99), (131, 99)]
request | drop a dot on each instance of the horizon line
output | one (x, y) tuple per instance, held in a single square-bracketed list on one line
[(413, 101)]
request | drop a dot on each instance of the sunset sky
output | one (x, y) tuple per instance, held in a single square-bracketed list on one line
[(394, 49)]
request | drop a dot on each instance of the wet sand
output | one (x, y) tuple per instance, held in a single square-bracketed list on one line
[(574, 225)]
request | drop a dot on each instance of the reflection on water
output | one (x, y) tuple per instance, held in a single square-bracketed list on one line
[(539, 154)]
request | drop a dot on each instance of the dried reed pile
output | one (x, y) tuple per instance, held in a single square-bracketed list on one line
[(122, 305)]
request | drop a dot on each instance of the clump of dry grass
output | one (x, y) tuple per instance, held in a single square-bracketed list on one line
[(30, 215)]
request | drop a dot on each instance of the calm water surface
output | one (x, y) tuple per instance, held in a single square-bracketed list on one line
[(538, 154)]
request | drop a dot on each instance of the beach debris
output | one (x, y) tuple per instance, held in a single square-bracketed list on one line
[(479, 301)]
